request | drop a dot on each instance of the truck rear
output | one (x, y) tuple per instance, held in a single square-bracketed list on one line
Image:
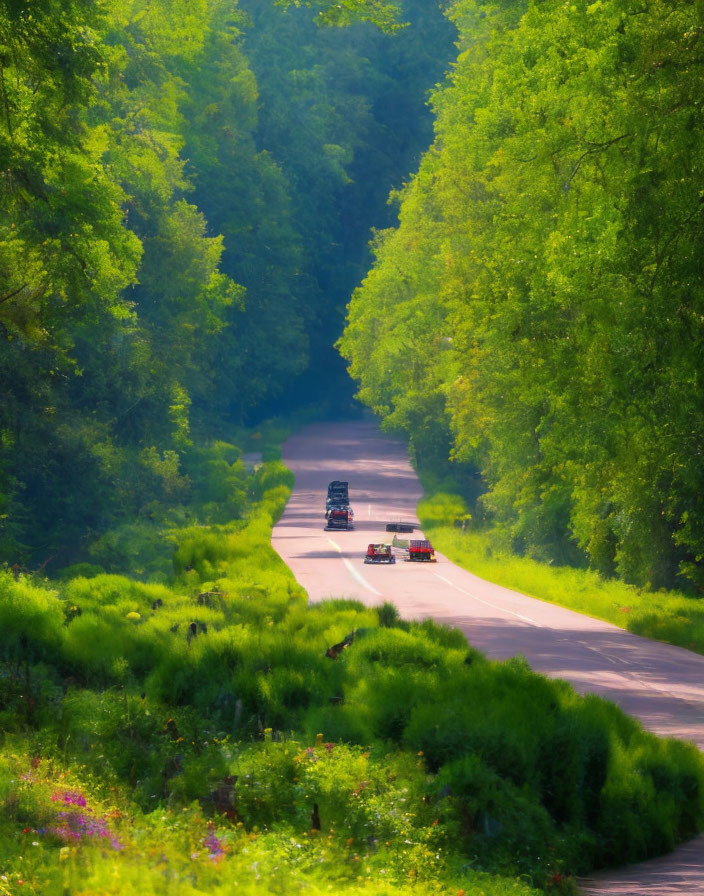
[(421, 551), (339, 518)]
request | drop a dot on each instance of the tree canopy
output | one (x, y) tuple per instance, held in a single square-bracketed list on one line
[(185, 196), (541, 299), (186, 193)]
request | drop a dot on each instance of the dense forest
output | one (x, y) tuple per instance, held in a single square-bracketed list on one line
[(185, 204), (538, 312), (186, 198), (187, 193)]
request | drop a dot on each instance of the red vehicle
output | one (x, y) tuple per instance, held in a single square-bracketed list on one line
[(421, 551), (340, 518), (379, 553)]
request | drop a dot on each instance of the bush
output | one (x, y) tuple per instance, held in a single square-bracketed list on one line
[(416, 739), (31, 621), (488, 812)]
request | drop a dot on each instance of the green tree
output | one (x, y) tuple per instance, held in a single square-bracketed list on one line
[(551, 234)]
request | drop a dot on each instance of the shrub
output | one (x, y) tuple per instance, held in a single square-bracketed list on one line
[(416, 737), (492, 815), (31, 621), (388, 615)]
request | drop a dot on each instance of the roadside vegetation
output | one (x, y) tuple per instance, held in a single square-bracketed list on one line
[(186, 731), (186, 192), (671, 616)]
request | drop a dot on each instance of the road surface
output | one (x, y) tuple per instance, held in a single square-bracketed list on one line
[(661, 685)]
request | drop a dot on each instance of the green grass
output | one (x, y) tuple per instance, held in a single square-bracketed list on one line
[(190, 735), (664, 615), (65, 831)]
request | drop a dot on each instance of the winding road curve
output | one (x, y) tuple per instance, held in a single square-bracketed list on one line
[(661, 685)]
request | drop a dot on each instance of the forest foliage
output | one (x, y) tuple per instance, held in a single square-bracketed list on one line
[(173, 252), (185, 194), (538, 312)]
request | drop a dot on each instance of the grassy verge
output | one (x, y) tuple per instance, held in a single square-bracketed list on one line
[(664, 615), (189, 734)]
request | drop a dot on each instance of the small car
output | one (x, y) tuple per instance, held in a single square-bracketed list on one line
[(339, 518)]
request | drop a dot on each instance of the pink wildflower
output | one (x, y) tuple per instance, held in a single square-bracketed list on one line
[(214, 845), (70, 797)]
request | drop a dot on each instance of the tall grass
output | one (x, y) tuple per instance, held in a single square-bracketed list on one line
[(62, 830)]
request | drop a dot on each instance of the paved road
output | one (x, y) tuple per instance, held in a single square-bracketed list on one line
[(662, 685)]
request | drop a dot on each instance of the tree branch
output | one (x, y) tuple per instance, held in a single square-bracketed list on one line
[(12, 294), (596, 147)]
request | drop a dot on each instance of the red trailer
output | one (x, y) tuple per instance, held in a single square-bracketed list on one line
[(421, 551), (379, 553)]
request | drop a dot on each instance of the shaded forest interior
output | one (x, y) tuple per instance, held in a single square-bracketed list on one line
[(186, 203)]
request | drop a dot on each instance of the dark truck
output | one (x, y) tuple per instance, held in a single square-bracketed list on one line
[(338, 496)]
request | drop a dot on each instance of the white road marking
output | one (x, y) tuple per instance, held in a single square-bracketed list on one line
[(355, 572), (486, 602), (369, 511)]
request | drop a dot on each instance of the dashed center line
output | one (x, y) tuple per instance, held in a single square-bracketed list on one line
[(355, 573), (605, 656), (486, 602)]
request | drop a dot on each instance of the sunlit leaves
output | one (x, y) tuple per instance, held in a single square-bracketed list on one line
[(562, 200), (345, 12)]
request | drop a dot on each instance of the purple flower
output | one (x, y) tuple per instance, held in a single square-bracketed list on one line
[(73, 825), (214, 845), (70, 797), (63, 832)]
